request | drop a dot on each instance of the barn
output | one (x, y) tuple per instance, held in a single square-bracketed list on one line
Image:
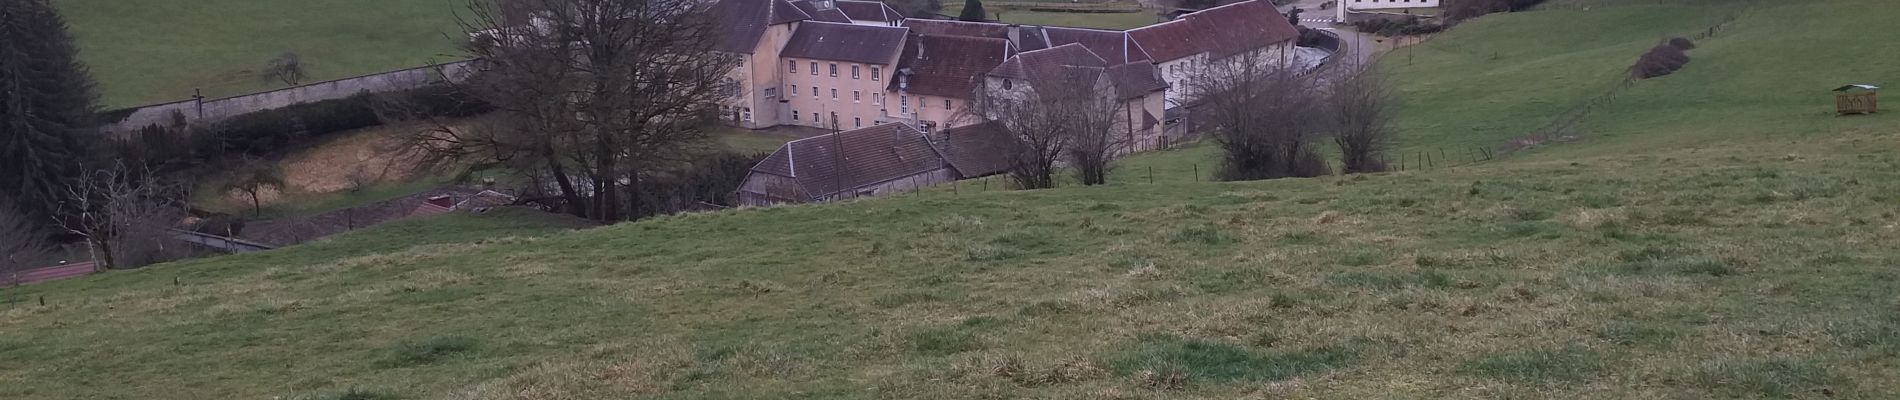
[(844, 165)]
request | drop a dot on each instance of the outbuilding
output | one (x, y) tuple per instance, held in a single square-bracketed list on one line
[(1856, 99)]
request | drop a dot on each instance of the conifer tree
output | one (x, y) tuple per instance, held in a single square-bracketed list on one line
[(973, 11), (47, 105)]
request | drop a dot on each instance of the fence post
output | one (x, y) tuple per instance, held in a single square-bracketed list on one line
[(1441, 155), (1151, 174), (1197, 172), (986, 184)]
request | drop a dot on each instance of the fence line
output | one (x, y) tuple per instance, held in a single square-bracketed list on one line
[(199, 109), (1559, 128)]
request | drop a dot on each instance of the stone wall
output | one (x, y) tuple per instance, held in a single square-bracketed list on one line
[(199, 111)]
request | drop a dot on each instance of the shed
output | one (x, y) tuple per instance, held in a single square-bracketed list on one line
[(1856, 99)]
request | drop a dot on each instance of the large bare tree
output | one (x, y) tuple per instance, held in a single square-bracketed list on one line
[(1062, 115), (1265, 118), (124, 214), (595, 94), (1358, 102)]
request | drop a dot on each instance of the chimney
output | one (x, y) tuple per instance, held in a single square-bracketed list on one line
[(1016, 35)]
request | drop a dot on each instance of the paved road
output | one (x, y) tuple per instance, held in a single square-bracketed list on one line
[(1361, 48)]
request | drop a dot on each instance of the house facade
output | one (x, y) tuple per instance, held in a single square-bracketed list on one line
[(849, 64)]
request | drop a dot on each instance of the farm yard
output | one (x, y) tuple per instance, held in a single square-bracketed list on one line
[(1713, 233)]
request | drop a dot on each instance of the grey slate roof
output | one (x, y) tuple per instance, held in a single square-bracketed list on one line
[(978, 150), (1221, 31), (951, 66), (743, 22), (843, 161), (845, 42)]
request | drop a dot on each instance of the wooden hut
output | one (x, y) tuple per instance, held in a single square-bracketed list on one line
[(1856, 99)]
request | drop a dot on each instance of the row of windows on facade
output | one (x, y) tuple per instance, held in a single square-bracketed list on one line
[(876, 72), (877, 98), (856, 122)]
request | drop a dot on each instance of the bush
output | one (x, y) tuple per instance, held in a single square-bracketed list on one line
[(1407, 26), (1664, 59)]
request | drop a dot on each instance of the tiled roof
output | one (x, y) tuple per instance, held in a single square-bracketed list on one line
[(949, 66), (1221, 31), (826, 15), (958, 28), (978, 150), (1136, 79), (838, 162), (845, 42), (1051, 63), (1115, 47), (745, 21), (869, 11)]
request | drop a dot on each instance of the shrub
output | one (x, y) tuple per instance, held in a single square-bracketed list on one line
[(1664, 59)]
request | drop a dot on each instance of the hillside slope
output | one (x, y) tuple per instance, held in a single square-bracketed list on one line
[(1725, 243), (1661, 275)]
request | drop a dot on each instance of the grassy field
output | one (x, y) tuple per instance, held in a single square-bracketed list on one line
[(1657, 275), (149, 51), (1713, 235), (1017, 13)]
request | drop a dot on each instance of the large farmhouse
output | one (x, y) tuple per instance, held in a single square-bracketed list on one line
[(848, 64)]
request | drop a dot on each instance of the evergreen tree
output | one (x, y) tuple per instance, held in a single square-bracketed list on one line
[(47, 105), (973, 11)]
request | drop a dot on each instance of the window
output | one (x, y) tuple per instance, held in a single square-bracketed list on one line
[(923, 102), (814, 91), (794, 115), (856, 96), (857, 122), (834, 70), (794, 91), (748, 114), (1006, 84), (876, 75), (877, 98), (742, 62), (903, 105), (791, 66), (834, 94), (814, 68), (814, 118), (947, 105), (854, 72)]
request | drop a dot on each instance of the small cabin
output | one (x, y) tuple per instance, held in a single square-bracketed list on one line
[(1856, 99)]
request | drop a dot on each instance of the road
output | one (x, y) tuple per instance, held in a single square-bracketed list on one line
[(1361, 48)]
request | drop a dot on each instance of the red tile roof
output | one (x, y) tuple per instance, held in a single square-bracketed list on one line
[(849, 160), (951, 66), (1221, 31), (869, 11), (845, 42), (958, 28)]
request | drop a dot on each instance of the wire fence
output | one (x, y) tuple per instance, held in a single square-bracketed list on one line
[(1563, 127)]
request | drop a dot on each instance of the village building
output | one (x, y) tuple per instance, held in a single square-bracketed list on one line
[(846, 64), (1137, 87)]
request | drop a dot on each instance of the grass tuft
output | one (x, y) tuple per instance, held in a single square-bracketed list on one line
[(1203, 360), (1566, 364), (428, 351)]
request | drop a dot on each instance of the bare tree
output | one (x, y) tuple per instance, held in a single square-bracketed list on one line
[(252, 177), (286, 68), (1098, 132), (1065, 111), (1265, 118), (596, 93), (1359, 104), (21, 243), (123, 213)]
